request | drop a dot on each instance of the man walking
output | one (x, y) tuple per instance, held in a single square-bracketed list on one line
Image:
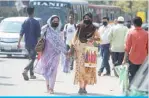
[(104, 46), (31, 29), (69, 31), (136, 47), (128, 24), (117, 40)]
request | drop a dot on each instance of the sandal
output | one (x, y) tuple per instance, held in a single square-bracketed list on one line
[(85, 91), (81, 91), (51, 91), (47, 88)]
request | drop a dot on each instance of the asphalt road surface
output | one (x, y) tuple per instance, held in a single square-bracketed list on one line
[(12, 83)]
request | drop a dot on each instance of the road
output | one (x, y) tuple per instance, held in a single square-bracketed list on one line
[(12, 83)]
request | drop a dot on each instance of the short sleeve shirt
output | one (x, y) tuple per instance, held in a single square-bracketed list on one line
[(70, 31)]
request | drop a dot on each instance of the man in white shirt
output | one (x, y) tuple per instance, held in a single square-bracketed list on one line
[(104, 46), (117, 40), (69, 32)]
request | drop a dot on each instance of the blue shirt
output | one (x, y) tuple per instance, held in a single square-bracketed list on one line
[(31, 29)]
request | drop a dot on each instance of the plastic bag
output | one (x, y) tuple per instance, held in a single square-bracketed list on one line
[(122, 72)]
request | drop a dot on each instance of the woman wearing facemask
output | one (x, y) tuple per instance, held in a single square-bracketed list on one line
[(86, 34), (54, 46)]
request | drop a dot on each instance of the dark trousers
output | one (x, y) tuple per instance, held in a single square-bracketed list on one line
[(117, 58), (133, 68), (32, 57), (105, 54)]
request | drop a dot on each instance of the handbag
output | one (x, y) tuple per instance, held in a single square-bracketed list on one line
[(41, 43)]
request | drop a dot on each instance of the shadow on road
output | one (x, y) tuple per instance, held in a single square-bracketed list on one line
[(2, 60), (76, 94), (6, 84), (96, 94), (59, 81), (60, 93), (37, 80), (12, 57), (4, 77), (44, 80)]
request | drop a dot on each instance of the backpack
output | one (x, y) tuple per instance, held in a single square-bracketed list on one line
[(74, 26), (66, 30)]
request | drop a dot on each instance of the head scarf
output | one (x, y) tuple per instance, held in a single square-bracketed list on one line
[(53, 35), (85, 32), (49, 22), (53, 48), (88, 14), (48, 25)]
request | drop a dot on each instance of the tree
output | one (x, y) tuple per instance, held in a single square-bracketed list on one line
[(133, 6), (10, 12)]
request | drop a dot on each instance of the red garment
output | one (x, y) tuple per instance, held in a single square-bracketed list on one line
[(137, 45), (89, 57), (39, 55), (95, 58), (92, 58)]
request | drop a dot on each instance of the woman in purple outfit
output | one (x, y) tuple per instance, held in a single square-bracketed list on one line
[(49, 61)]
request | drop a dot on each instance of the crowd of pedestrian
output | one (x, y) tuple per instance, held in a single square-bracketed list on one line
[(122, 43)]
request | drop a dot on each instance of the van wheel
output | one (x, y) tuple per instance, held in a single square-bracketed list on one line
[(9, 55)]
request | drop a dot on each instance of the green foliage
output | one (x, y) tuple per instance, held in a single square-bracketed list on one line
[(131, 6), (10, 11), (137, 5), (140, 5)]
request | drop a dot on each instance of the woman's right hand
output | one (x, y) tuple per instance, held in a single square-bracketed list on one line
[(68, 54), (91, 40)]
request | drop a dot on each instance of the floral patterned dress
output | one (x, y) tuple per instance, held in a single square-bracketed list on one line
[(87, 74)]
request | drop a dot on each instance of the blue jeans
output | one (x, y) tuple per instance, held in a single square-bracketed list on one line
[(105, 54)]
